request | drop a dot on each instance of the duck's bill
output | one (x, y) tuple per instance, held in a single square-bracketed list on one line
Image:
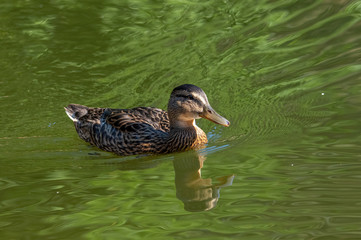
[(213, 116)]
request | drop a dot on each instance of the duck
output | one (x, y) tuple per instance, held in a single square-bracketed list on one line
[(147, 130)]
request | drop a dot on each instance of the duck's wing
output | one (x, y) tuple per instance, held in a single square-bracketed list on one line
[(136, 119), (131, 131), (122, 131)]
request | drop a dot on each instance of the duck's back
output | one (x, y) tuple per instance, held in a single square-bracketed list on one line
[(123, 131)]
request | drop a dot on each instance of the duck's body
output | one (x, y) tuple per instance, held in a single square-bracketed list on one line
[(146, 130)]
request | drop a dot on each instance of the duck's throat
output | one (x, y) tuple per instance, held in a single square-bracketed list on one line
[(190, 137)]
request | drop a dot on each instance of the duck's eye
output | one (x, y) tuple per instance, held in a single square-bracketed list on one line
[(190, 97)]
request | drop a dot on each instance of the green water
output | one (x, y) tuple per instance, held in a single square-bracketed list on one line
[(287, 74)]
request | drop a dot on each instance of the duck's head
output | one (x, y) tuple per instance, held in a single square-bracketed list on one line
[(189, 102)]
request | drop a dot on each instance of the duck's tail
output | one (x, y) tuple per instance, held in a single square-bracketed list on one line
[(76, 111), (85, 119)]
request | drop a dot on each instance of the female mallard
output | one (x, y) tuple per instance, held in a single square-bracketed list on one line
[(146, 130)]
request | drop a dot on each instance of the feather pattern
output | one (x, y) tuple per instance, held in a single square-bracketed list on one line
[(142, 130)]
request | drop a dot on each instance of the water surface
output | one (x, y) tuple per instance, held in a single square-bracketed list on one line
[(287, 74)]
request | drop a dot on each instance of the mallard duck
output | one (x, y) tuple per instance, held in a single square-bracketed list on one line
[(147, 130)]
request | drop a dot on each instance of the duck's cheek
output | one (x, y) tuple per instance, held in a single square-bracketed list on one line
[(188, 116), (197, 116), (183, 107)]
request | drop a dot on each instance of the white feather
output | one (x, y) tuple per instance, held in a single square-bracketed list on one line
[(70, 116)]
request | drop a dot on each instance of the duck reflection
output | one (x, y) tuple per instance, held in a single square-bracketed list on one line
[(197, 194)]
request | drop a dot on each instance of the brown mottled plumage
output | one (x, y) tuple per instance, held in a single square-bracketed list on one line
[(146, 130)]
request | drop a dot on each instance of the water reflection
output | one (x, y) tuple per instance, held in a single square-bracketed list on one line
[(197, 193)]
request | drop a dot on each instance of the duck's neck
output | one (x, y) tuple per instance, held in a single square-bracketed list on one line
[(184, 136)]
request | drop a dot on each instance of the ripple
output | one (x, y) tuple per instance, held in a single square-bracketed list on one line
[(264, 65)]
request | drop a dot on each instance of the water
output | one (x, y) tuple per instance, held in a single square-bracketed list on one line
[(285, 73)]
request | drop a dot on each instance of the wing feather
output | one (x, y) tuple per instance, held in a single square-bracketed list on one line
[(136, 119)]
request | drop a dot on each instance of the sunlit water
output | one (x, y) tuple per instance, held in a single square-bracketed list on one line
[(287, 74)]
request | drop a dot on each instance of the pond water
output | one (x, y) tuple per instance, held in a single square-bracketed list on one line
[(287, 74)]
